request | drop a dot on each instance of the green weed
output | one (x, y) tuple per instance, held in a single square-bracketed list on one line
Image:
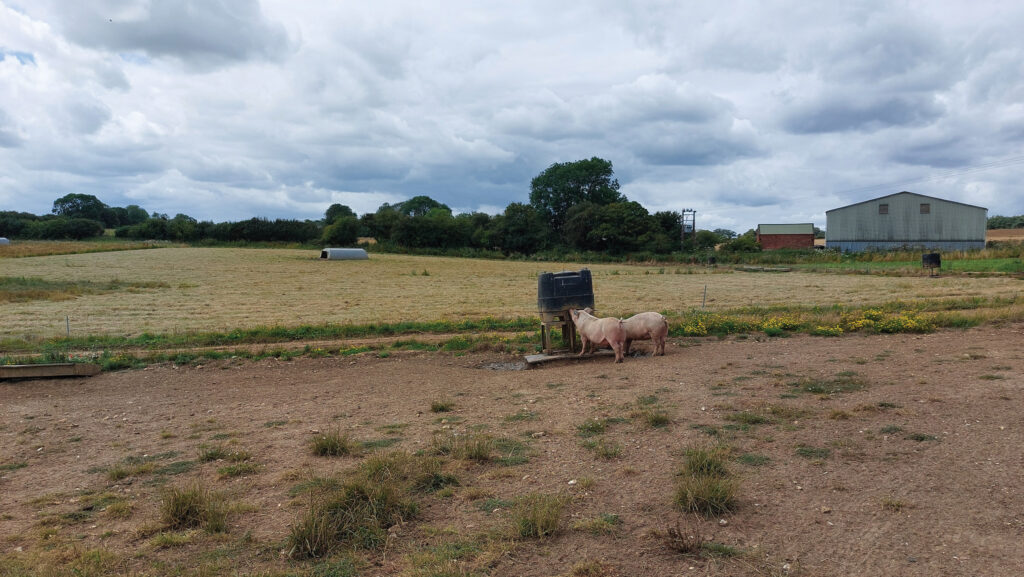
[(538, 515), (193, 507), (333, 443)]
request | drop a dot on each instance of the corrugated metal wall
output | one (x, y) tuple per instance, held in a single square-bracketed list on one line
[(945, 224)]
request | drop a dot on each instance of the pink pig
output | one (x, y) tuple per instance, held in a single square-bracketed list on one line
[(643, 326), (607, 332)]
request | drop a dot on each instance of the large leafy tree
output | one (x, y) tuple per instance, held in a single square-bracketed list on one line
[(420, 206), (520, 229), (76, 205), (336, 211), (564, 185), (617, 228)]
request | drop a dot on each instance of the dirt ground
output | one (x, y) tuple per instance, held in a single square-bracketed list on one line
[(917, 473)]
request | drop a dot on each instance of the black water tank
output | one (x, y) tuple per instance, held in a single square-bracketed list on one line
[(931, 260), (557, 291)]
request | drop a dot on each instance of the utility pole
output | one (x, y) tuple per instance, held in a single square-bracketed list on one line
[(689, 225)]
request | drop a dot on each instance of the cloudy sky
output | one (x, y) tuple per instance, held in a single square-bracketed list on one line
[(748, 112)]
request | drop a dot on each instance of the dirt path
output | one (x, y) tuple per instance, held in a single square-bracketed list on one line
[(915, 470)]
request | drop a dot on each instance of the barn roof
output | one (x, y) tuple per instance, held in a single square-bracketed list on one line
[(910, 193), (796, 228)]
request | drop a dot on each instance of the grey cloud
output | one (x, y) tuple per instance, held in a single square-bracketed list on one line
[(893, 54), (201, 33), (947, 152), (86, 116), (681, 145), (868, 113), (9, 137)]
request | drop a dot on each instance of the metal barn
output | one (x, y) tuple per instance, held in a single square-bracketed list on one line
[(906, 220), (776, 236)]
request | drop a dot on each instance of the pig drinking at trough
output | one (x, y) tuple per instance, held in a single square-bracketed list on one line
[(607, 332), (645, 326)]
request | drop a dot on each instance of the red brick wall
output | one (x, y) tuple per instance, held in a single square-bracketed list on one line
[(777, 241)]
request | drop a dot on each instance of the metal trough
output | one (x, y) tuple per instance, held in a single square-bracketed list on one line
[(48, 370)]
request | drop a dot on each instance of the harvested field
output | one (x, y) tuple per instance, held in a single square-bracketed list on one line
[(1005, 235), (854, 456), (221, 289)]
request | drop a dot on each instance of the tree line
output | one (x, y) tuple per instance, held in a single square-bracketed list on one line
[(573, 207)]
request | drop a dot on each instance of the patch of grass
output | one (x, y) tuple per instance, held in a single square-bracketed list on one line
[(238, 470), (315, 484), (171, 540), (809, 452), (921, 437), (442, 406), (747, 418), (25, 289), (538, 515), (444, 560), (379, 443), (893, 504), (646, 400), (839, 415), (175, 468), (590, 569), (134, 466), (991, 377), (120, 471), (654, 417), (706, 495), (493, 504), (275, 424), (706, 461), (222, 453), (473, 447), (603, 524), (13, 466), (592, 427), (709, 430), (434, 481), (119, 510), (393, 428), (341, 567), (753, 460), (603, 448), (333, 443), (891, 429), (705, 486), (193, 507), (359, 510), (510, 452), (521, 415)]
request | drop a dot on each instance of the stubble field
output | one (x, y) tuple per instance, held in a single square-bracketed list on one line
[(221, 289)]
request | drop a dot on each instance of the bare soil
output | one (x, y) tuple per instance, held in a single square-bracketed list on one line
[(919, 472)]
